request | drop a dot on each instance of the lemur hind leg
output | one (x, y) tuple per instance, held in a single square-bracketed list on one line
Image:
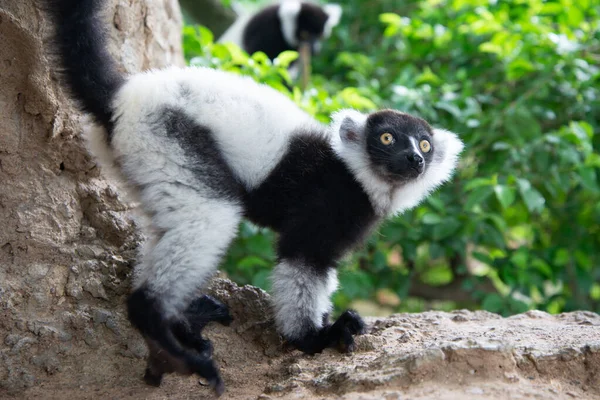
[(165, 308), (193, 208), (301, 295)]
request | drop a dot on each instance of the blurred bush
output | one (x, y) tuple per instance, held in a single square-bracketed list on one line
[(519, 226)]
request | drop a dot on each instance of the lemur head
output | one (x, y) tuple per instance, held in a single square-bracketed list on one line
[(398, 158), (305, 22)]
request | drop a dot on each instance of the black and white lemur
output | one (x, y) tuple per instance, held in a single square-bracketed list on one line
[(284, 26), (201, 149)]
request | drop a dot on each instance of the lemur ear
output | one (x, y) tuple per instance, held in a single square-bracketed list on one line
[(288, 15), (289, 9), (351, 125), (334, 11)]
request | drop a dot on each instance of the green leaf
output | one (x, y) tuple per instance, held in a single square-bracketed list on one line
[(206, 36), (436, 203), (588, 178), (390, 18), (285, 58), (427, 76), (431, 219), (532, 198), (521, 124), (562, 257), (446, 228), (552, 8), (489, 47), (252, 261), (542, 267), (478, 182), (592, 160), (493, 302), (477, 197), (505, 195), (261, 279)]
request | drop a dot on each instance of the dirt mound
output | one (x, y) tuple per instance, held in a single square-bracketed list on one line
[(439, 355)]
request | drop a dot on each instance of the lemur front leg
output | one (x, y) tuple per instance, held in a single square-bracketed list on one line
[(301, 296)]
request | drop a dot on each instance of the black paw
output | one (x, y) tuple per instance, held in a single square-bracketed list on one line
[(152, 378), (206, 309), (174, 344), (339, 335)]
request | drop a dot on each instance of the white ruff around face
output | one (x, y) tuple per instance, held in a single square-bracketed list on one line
[(388, 199)]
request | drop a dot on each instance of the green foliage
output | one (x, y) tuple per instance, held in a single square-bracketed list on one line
[(519, 226)]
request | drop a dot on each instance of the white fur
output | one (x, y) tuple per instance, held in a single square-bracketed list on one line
[(301, 297), (387, 199), (178, 262), (357, 160), (334, 11), (252, 123), (415, 146), (188, 229), (96, 141), (288, 14)]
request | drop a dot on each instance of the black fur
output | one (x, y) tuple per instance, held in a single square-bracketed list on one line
[(398, 161), (198, 144), (311, 22), (320, 212), (263, 31), (339, 334), (88, 70), (177, 345), (314, 202)]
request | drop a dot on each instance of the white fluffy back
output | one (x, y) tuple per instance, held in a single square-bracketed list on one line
[(251, 123)]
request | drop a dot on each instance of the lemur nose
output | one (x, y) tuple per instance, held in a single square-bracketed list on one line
[(415, 159)]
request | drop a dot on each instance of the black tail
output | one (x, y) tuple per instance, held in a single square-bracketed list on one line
[(87, 67)]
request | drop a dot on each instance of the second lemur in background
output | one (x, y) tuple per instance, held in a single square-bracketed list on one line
[(284, 26)]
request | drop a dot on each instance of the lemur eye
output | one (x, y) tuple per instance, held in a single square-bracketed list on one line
[(425, 146), (386, 138)]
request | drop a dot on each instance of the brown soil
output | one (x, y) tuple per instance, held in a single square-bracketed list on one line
[(437, 355)]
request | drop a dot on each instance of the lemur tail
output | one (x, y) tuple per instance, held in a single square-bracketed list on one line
[(88, 69)]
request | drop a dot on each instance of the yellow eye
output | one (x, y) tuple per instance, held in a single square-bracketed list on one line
[(425, 146), (386, 138)]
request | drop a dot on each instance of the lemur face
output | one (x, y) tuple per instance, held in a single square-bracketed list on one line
[(400, 146)]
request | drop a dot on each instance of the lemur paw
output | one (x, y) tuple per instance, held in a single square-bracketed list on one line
[(177, 345), (341, 333), (338, 335), (205, 309)]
